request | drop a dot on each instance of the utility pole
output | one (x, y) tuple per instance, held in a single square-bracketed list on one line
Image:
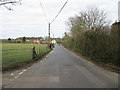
[(49, 33), (119, 11), (49, 45), (53, 36)]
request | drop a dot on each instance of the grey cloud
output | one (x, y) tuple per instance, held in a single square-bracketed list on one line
[(28, 19)]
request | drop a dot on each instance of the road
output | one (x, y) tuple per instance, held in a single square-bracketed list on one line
[(63, 69)]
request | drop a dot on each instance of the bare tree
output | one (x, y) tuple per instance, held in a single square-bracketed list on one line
[(90, 19), (5, 3), (96, 18)]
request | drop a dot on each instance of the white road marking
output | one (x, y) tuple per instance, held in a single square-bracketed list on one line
[(28, 68), (21, 73), (12, 74), (16, 77), (49, 54), (91, 63), (24, 70)]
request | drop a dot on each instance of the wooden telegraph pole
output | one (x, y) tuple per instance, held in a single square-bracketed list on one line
[(49, 34)]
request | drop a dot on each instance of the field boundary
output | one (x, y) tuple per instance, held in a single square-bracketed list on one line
[(16, 55), (26, 64)]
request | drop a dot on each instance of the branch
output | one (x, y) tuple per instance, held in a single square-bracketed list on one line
[(4, 3), (8, 3), (8, 7)]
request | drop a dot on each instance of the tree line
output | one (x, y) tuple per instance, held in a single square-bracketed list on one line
[(91, 35)]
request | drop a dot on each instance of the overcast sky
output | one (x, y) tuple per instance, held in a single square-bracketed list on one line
[(28, 19)]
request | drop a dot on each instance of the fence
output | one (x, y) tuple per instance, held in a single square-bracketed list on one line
[(14, 56)]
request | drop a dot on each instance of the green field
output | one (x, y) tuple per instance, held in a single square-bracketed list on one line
[(14, 54)]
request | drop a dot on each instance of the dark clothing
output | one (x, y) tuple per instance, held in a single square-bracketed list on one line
[(34, 53)]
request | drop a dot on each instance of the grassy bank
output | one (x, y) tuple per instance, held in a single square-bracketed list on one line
[(17, 54)]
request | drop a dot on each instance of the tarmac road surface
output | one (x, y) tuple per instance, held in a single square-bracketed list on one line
[(63, 69)]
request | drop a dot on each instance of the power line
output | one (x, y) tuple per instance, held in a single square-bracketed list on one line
[(59, 12), (49, 24), (43, 11)]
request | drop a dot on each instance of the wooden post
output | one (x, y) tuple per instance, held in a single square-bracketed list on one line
[(31, 53)]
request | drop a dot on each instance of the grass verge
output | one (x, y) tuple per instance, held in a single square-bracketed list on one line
[(108, 67)]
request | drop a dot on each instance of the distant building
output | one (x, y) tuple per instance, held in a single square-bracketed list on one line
[(54, 41), (36, 41), (43, 42)]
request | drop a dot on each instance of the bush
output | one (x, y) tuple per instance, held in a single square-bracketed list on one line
[(97, 45)]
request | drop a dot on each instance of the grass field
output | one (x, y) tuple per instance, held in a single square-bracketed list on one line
[(14, 54)]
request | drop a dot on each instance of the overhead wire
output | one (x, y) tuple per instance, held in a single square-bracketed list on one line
[(43, 11), (59, 12), (55, 16)]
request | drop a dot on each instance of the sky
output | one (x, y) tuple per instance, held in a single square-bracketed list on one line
[(28, 18)]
